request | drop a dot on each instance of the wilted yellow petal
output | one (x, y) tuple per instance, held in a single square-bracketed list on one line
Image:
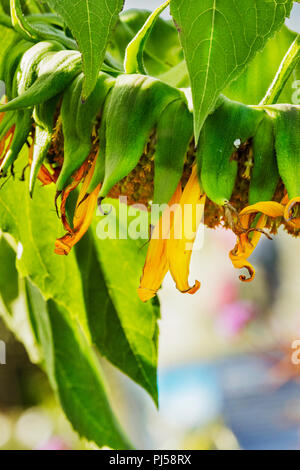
[(156, 266), (183, 233)]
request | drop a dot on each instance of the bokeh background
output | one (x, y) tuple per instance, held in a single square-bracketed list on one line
[(226, 379)]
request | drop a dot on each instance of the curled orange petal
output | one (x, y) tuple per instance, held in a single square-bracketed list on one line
[(63, 245), (83, 216), (245, 247), (78, 176), (241, 263), (4, 145), (251, 232), (45, 177)]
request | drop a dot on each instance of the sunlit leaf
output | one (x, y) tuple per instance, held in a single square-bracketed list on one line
[(35, 225), (220, 38)]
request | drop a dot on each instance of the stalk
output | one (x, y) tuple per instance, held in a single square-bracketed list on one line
[(288, 64)]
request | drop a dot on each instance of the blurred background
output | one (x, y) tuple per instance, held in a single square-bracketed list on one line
[(226, 379)]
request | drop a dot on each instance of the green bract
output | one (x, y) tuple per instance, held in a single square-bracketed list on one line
[(287, 141), (265, 177), (43, 116), (231, 125), (27, 71), (55, 72), (134, 107), (174, 134), (78, 131)]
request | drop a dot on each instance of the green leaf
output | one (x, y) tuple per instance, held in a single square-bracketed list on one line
[(101, 312), (7, 38), (91, 23), (4, 6), (75, 374), (122, 327), (38, 31), (134, 62), (220, 38), (138, 320), (35, 225), (253, 83), (9, 279)]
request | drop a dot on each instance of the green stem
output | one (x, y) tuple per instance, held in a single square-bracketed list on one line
[(288, 64)]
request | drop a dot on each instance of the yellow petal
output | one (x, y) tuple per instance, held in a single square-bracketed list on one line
[(156, 266), (269, 208), (183, 233)]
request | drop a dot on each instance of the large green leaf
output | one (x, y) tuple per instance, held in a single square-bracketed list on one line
[(91, 23), (122, 327), (112, 323), (220, 38), (75, 373), (34, 224)]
